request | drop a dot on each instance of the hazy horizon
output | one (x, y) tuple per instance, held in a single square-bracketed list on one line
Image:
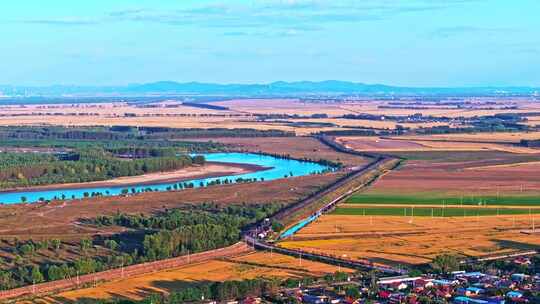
[(264, 83)]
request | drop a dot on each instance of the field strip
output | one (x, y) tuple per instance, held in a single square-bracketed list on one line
[(436, 206), (432, 139), (518, 164)]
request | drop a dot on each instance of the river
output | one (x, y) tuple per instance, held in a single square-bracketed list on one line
[(278, 169)]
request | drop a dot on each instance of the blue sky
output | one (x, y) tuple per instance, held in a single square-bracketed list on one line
[(408, 42)]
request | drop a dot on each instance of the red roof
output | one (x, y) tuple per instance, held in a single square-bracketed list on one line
[(384, 294)]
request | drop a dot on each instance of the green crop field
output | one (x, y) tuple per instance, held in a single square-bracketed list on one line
[(433, 199), (435, 212)]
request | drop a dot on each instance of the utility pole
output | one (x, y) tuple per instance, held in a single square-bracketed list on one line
[(443, 208)]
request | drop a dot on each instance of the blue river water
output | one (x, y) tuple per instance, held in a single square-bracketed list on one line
[(279, 168)]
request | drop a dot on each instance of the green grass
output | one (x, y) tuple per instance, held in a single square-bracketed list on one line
[(428, 211), (433, 199)]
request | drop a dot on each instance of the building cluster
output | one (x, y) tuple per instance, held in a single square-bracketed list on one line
[(494, 286), (461, 288), (458, 288)]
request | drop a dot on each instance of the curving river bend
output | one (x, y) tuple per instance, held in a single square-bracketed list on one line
[(278, 169)]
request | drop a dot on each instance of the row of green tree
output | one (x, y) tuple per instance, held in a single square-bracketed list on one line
[(179, 232), (128, 133), (29, 169)]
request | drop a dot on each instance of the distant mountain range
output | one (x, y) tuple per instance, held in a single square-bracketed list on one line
[(279, 88)]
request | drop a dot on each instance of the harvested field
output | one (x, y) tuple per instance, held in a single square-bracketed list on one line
[(202, 121), (426, 144), (477, 108), (246, 266), (242, 114), (283, 106), (403, 240), (376, 124), (112, 109), (509, 137), (172, 114), (473, 179), (390, 234)]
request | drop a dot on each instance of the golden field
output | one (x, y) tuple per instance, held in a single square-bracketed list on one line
[(246, 266), (399, 240)]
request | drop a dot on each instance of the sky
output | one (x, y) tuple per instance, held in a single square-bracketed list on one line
[(394, 42)]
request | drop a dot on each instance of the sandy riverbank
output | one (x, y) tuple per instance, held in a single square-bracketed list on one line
[(210, 169)]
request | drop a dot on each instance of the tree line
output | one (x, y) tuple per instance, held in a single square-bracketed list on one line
[(129, 133), (85, 165)]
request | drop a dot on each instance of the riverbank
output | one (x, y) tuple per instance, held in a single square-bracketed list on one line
[(208, 170)]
